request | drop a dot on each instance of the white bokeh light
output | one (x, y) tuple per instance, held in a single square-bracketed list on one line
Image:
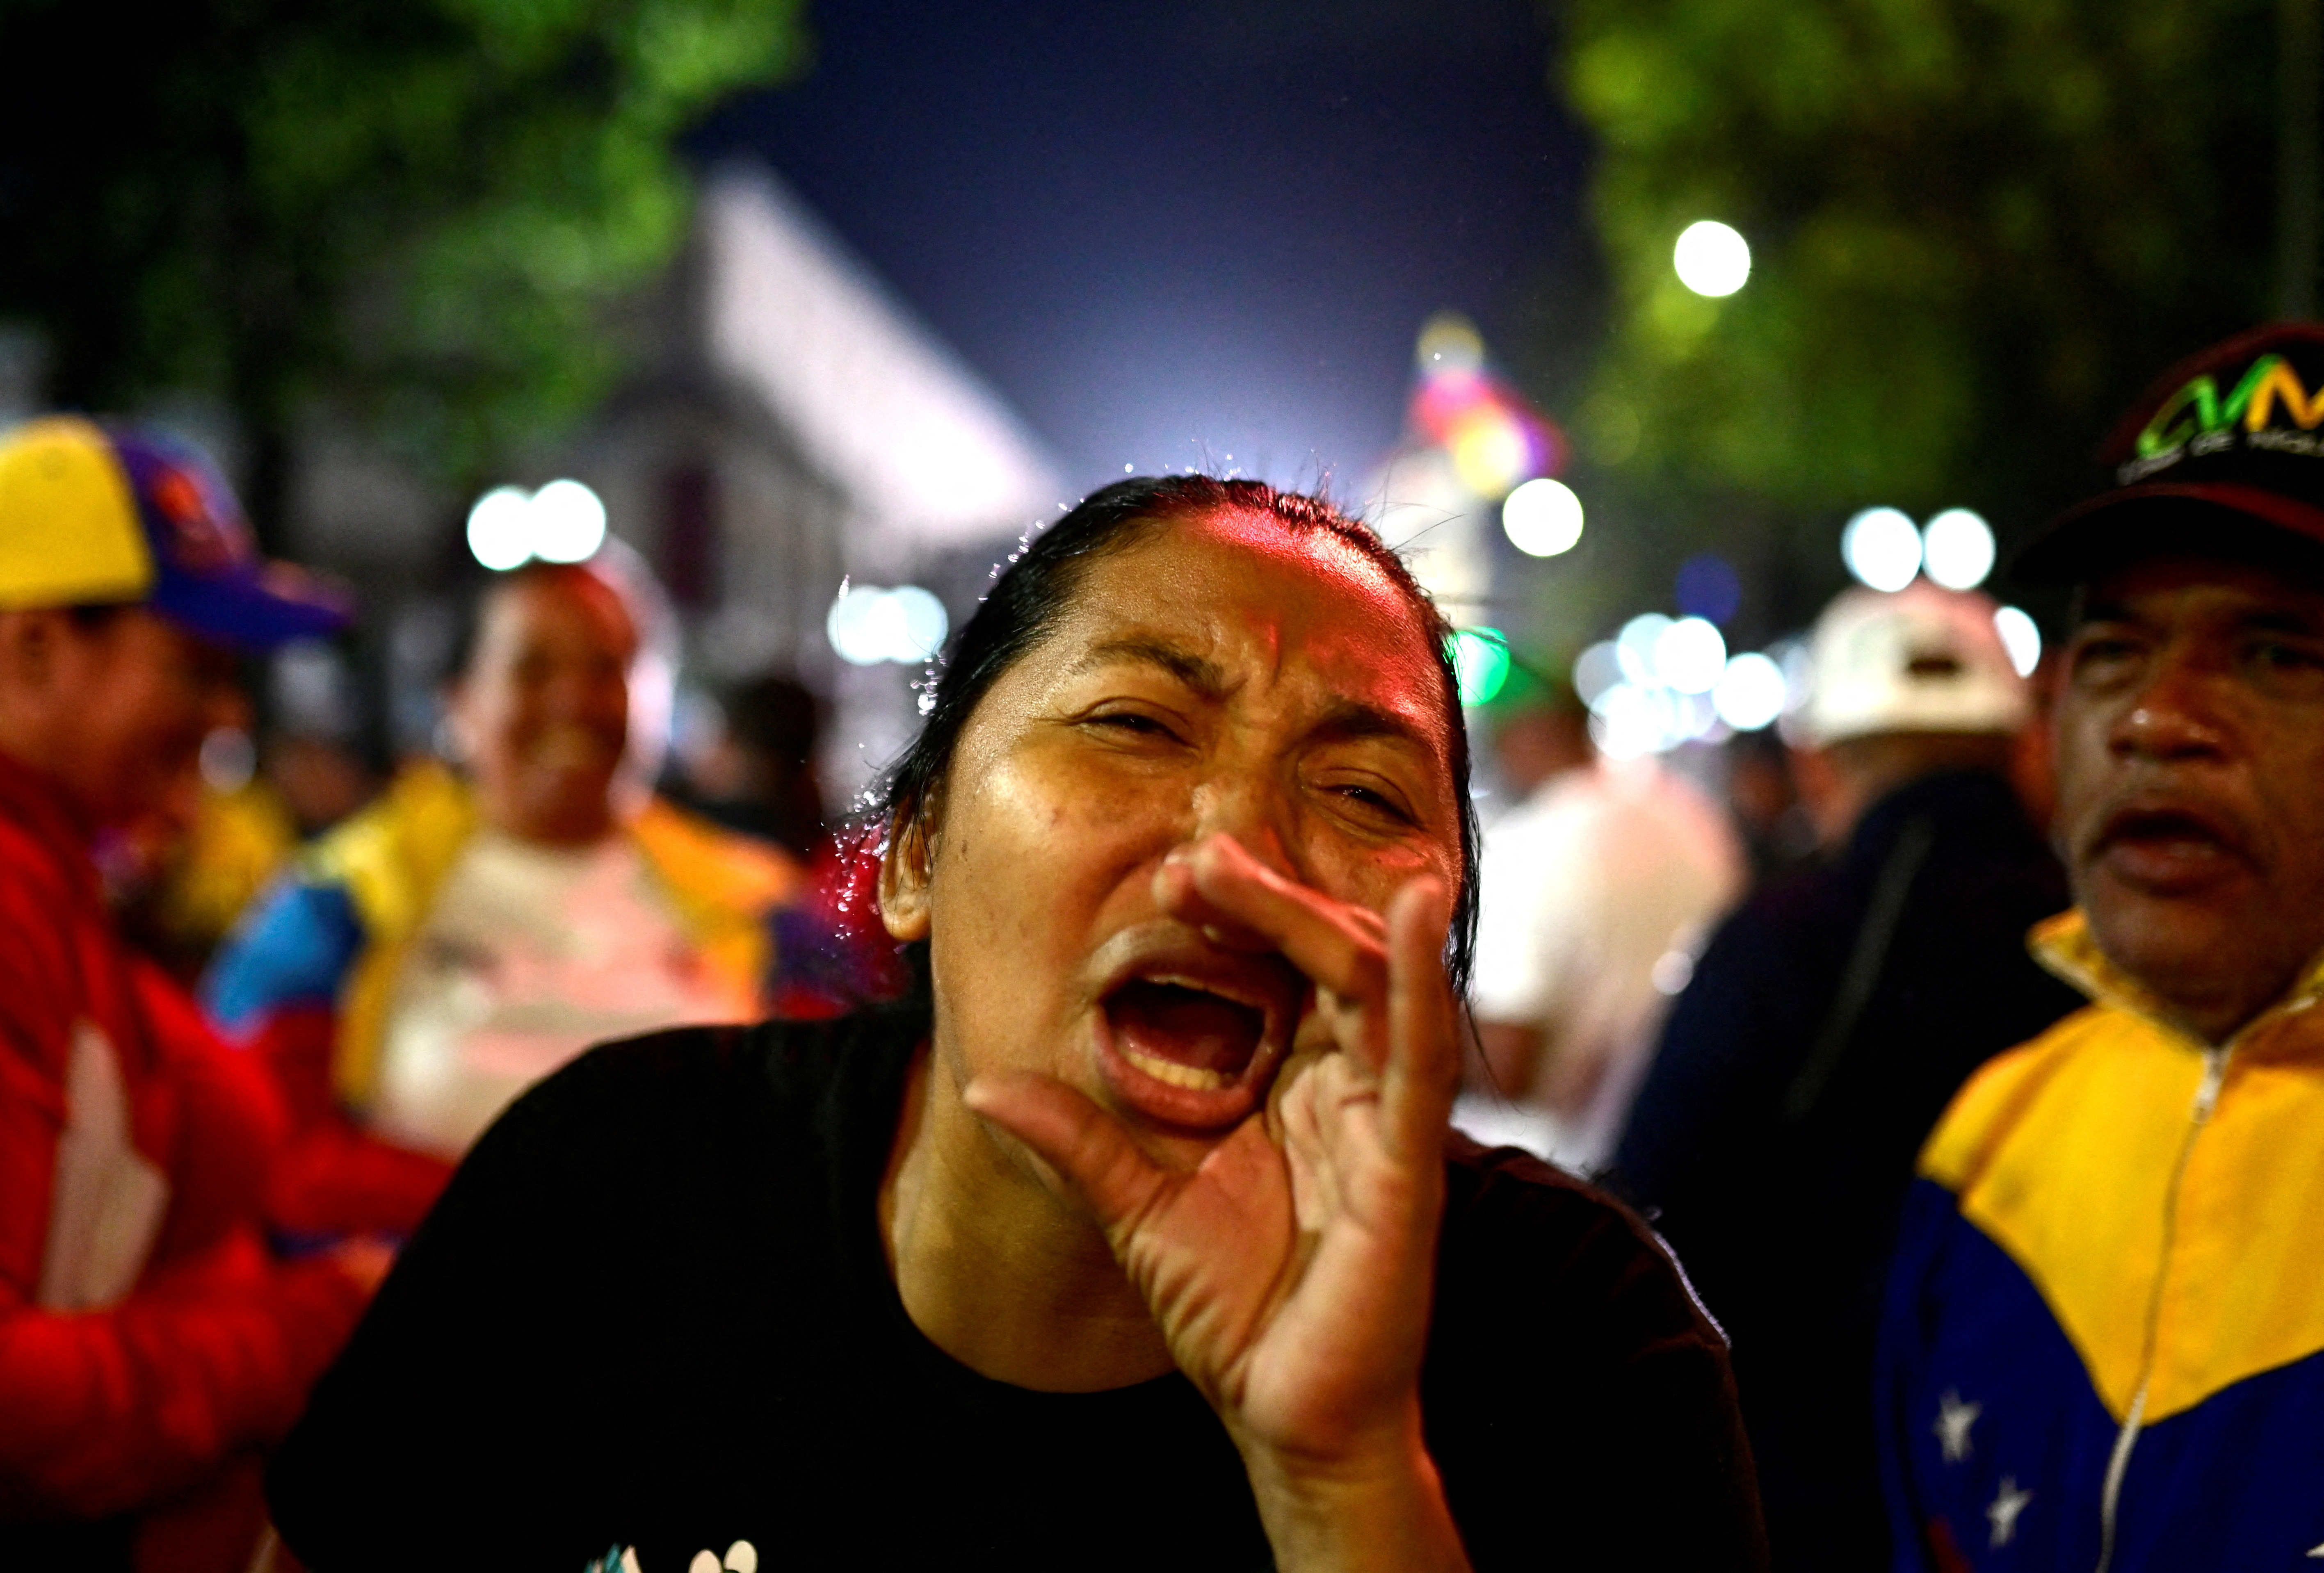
[(1634, 646), (1690, 654), (1595, 671), (1750, 692), (1881, 548), (925, 623), (1542, 517), (563, 522), (2021, 637), (1957, 550), (567, 522), (1692, 716), (868, 624), (1712, 258), (1626, 721), (500, 527)]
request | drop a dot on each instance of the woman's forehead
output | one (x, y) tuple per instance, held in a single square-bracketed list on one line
[(1248, 591), (1250, 557)]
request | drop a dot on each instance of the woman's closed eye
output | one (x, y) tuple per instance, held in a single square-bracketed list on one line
[(1129, 724), (1373, 799)]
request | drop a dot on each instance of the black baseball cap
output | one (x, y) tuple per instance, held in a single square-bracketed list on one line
[(2225, 451)]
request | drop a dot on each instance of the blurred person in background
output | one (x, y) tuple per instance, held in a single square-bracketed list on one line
[(1136, 1239), (319, 749), (2104, 1343), (474, 929), (747, 760), (179, 881), (1831, 1018), (183, 893), (149, 1344), (754, 772), (1763, 795), (1596, 888)]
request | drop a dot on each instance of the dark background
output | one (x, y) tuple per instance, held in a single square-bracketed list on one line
[(1174, 232)]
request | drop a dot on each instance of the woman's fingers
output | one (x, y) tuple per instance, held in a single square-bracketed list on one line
[(1083, 1143), (1219, 884), (1424, 1058), (1395, 976)]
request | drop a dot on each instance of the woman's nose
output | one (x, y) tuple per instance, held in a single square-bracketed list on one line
[(1251, 809)]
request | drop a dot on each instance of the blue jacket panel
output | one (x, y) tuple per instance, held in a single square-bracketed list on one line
[(1983, 1400), (295, 949)]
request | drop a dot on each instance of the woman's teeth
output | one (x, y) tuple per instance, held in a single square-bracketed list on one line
[(1194, 1078)]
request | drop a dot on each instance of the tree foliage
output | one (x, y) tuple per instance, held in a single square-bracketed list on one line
[(417, 211), (1980, 228)]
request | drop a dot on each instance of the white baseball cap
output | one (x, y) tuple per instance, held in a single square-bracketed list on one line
[(1917, 659)]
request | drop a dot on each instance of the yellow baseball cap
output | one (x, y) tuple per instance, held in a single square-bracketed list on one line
[(99, 515)]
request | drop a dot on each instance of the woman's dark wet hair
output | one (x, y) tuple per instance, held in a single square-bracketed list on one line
[(1033, 593)]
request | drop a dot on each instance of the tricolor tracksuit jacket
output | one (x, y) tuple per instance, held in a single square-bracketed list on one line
[(2104, 1343)]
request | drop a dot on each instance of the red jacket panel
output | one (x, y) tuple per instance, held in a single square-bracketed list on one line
[(106, 1408)]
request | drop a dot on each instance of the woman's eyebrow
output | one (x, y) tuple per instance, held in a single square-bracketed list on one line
[(1195, 671), (1351, 720)]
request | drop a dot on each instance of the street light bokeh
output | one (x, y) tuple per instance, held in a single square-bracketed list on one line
[(2021, 637), (1542, 517), (1957, 550), (563, 522), (1881, 548), (1750, 692), (869, 624), (1712, 258), (1690, 654)]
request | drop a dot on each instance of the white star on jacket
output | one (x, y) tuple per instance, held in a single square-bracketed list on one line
[(2003, 1511), (1953, 1420)]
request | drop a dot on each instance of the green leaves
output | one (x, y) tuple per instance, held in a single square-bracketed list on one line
[(416, 212), (1978, 227)]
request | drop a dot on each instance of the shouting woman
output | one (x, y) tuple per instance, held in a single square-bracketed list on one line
[(1136, 1237)]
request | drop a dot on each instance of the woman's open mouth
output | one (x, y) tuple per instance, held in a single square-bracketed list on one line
[(1194, 1050), (1186, 1036)]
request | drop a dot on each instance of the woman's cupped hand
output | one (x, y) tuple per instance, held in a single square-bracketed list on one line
[(1290, 1271)]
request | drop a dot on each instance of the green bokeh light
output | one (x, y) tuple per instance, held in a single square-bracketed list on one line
[(1481, 657)]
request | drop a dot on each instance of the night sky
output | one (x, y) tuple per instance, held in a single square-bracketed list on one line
[(1170, 233)]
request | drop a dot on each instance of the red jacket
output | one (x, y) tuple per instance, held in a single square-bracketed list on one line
[(149, 1342)]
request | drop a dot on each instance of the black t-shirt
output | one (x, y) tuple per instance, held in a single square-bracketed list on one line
[(652, 1316)]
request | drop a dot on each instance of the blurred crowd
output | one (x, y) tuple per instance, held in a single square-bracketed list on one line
[(265, 988), (262, 988)]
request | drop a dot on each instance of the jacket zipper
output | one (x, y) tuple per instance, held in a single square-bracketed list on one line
[(2207, 1100)]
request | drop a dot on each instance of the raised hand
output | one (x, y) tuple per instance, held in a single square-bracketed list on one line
[(1290, 1271)]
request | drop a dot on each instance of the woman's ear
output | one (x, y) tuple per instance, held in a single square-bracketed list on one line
[(904, 869)]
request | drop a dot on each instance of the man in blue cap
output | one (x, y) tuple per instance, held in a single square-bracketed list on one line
[(2104, 1342), (150, 1345)]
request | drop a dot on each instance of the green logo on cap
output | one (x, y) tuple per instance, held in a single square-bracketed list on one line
[(2197, 410)]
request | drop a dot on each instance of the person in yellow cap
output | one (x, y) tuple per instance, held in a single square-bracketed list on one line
[(151, 1345)]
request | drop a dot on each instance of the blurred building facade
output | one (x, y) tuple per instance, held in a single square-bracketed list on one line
[(789, 424)]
